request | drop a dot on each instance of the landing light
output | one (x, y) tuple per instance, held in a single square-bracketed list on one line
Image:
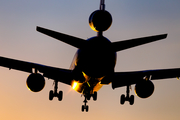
[(75, 85)]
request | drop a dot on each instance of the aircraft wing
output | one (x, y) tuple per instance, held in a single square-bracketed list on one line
[(61, 75), (128, 78)]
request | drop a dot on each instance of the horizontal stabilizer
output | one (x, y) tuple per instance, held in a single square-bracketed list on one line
[(122, 45), (74, 41)]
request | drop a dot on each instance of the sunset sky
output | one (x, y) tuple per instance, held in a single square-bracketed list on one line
[(131, 19)]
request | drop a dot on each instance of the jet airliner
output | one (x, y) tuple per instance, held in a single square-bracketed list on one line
[(93, 64)]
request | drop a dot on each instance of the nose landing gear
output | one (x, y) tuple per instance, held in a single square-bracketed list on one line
[(87, 97), (85, 106), (127, 97)]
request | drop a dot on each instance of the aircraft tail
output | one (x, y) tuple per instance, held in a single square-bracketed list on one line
[(74, 41), (122, 45)]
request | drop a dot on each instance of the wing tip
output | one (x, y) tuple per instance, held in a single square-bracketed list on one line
[(164, 35), (39, 28)]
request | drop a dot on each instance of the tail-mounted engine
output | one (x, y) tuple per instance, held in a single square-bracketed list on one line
[(35, 82), (144, 89), (100, 20)]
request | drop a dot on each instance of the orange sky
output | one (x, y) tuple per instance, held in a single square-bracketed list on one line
[(131, 19)]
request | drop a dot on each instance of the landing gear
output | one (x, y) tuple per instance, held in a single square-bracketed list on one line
[(54, 93), (94, 96), (87, 97), (85, 106), (127, 97)]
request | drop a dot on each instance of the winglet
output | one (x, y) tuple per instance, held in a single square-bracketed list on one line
[(74, 41)]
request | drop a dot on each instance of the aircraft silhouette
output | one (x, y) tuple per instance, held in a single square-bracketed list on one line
[(93, 64)]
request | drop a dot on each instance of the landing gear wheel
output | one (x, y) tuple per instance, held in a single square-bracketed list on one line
[(95, 96), (131, 100), (88, 97), (122, 101), (51, 95), (82, 109), (60, 95), (87, 108)]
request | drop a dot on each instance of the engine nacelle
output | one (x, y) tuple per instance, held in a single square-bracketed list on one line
[(35, 82), (100, 20), (144, 89)]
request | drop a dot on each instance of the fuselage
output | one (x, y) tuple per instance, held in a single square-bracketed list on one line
[(93, 65)]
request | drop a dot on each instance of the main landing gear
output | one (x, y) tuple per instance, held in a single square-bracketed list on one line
[(54, 93), (127, 97), (88, 97)]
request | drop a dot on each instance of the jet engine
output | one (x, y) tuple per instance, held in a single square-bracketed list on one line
[(35, 82), (100, 20), (144, 89)]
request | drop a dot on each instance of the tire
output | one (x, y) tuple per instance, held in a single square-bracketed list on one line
[(122, 101), (87, 108), (95, 96), (82, 108), (131, 100), (88, 97), (51, 95), (60, 95)]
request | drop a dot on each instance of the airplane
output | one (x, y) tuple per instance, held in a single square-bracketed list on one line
[(93, 64)]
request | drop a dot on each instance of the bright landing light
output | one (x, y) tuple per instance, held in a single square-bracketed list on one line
[(75, 85)]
